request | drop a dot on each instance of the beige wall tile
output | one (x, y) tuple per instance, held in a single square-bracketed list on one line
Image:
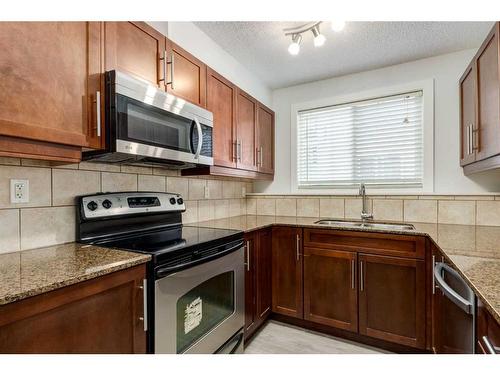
[(308, 207), (9, 231), (196, 188), (487, 239), (475, 197), (103, 167), (206, 210), (436, 197), (151, 183), (249, 186), (243, 206), (286, 207), (230, 190), (215, 189), (353, 207), (47, 226), (136, 169), (112, 182), (9, 161), (456, 212), (39, 185), (166, 172), (68, 183), (178, 185), (234, 207), (36, 163), (251, 206), (331, 207), (388, 209), (423, 211), (450, 237), (221, 208), (191, 213), (488, 213), (266, 207)]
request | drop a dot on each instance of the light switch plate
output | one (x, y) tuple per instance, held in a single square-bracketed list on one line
[(207, 192), (19, 191)]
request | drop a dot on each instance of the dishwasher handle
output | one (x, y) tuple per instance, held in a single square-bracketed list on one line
[(466, 305)]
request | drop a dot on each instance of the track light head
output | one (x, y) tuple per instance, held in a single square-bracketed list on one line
[(319, 39), (338, 25), (294, 47)]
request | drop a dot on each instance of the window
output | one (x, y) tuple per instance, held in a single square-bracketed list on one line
[(377, 141)]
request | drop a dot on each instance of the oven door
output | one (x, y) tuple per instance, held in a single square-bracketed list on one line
[(145, 130), (197, 310)]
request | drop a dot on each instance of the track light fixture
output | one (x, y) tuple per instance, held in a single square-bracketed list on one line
[(319, 39)]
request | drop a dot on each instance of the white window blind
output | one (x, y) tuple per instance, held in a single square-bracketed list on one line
[(376, 141)]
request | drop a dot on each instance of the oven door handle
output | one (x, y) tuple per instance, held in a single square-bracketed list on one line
[(200, 138), (164, 271)]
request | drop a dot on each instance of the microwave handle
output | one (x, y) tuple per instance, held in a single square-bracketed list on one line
[(200, 138)]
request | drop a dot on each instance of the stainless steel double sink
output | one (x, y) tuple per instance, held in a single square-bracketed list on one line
[(364, 224)]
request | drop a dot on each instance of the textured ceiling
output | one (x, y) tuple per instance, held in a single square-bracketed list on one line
[(262, 47)]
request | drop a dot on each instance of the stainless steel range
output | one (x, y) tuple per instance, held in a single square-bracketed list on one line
[(195, 285)]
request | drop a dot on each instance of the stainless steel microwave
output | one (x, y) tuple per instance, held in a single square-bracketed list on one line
[(146, 125)]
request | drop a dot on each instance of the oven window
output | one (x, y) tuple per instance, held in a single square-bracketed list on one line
[(203, 308)]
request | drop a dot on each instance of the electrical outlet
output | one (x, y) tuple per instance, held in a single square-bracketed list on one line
[(19, 191), (207, 192)]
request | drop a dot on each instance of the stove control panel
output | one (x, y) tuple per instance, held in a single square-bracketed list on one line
[(114, 204)]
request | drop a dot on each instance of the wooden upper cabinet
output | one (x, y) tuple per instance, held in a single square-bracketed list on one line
[(488, 100), (187, 75), (246, 119), (135, 48), (43, 89), (265, 139), (330, 288), (392, 299), (221, 101), (287, 278), (468, 123)]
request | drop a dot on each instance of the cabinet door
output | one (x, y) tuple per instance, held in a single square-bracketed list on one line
[(187, 75), (287, 271), (488, 100), (330, 291), (103, 315), (263, 274), (135, 48), (221, 98), (250, 292), (265, 139), (468, 115), (43, 85), (392, 299), (246, 112)]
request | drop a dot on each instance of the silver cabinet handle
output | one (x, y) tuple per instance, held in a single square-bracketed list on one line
[(98, 112), (361, 279), (257, 156), (238, 150), (297, 247), (144, 318), (248, 255), (172, 70), (353, 274), (164, 60), (200, 138), (467, 141), (466, 305), (489, 346), (261, 157), (433, 278)]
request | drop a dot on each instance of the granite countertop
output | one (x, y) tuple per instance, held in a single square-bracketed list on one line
[(473, 250), (27, 273)]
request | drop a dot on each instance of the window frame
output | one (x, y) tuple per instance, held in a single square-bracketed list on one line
[(427, 88)]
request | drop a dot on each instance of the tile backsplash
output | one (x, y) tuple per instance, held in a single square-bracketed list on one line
[(443, 209), (49, 217)]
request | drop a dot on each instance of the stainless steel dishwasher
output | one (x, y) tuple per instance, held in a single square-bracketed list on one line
[(456, 322)]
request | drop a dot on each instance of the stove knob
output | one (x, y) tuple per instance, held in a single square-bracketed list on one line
[(180, 200), (107, 204), (172, 200), (92, 206)]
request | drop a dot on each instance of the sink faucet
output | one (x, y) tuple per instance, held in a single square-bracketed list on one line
[(364, 212)]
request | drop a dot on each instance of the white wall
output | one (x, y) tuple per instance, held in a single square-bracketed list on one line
[(195, 41), (445, 70)]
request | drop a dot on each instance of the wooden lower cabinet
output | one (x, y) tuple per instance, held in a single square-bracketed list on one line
[(330, 288), (257, 279), (392, 299), (487, 332), (102, 315), (287, 280)]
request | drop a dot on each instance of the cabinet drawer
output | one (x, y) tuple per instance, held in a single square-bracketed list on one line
[(379, 243)]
